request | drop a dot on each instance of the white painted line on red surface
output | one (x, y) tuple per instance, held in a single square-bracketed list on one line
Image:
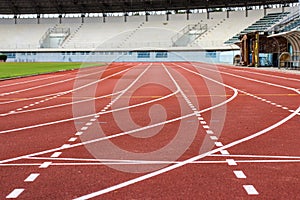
[(219, 144), (231, 162), (214, 137), (45, 165), (200, 118), (250, 189), (257, 156), (79, 133), (84, 128), (285, 108), (15, 193), (239, 174), (73, 139), (209, 132), (56, 154), (206, 127), (65, 146), (89, 124), (31, 177), (224, 152), (202, 122), (93, 120)]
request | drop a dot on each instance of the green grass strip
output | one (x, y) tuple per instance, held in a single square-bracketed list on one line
[(11, 70)]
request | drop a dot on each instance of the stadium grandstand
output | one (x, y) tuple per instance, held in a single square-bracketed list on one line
[(104, 30)]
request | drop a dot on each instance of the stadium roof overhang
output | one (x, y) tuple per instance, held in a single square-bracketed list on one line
[(17, 7), (293, 37)]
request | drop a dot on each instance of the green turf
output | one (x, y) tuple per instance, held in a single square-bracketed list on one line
[(10, 70)]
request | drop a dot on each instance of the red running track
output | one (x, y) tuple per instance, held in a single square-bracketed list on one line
[(151, 131)]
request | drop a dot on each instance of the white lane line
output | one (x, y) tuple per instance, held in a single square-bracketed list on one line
[(231, 162), (54, 83), (219, 144), (92, 115), (122, 162), (34, 80), (73, 139), (224, 152), (93, 120), (65, 146), (257, 156), (56, 154), (250, 189), (84, 128), (206, 127), (89, 124), (79, 133), (202, 122), (15, 193), (209, 132), (270, 75), (45, 165), (213, 137), (239, 174), (68, 91), (31, 177)]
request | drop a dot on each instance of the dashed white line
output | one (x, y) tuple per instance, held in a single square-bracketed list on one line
[(84, 128), (250, 189), (239, 174), (209, 132), (206, 126), (45, 165), (79, 133), (219, 144), (231, 162), (65, 146), (56, 154), (89, 124), (72, 139), (224, 152), (213, 138), (15, 193), (31, 177)]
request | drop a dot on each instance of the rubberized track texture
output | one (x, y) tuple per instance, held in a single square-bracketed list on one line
[(151, 131)]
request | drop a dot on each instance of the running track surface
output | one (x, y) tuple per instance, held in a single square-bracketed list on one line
[(151, 131)]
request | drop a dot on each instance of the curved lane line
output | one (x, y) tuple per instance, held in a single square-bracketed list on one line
[(64, 92), (188, 161)]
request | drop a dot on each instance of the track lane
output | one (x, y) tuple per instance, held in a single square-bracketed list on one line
[(205, 182)]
